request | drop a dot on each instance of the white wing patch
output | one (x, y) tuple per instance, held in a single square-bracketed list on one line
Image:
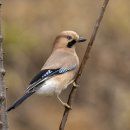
[(47, 73)]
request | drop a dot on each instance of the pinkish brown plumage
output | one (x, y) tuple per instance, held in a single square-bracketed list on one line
[(58, 71)]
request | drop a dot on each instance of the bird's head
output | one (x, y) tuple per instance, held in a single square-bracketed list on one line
[(68, 39)]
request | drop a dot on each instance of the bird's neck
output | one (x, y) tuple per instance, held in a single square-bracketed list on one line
[(63, 49)]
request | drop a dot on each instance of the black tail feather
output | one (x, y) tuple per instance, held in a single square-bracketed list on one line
[(19, 101)]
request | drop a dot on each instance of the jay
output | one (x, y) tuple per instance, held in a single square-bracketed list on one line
[(59, 70)]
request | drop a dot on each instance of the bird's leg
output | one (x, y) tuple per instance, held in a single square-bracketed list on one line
[(64, 104), (72, 81)]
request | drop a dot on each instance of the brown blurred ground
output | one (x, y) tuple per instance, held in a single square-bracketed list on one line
[(103, 100)]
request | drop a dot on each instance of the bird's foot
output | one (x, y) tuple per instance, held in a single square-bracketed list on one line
[(68, 106), (75, 85), (64, 104)]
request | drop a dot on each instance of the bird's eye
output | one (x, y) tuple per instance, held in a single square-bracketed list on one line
[(69, 37)]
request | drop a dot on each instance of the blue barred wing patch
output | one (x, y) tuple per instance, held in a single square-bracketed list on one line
[(65, 69)]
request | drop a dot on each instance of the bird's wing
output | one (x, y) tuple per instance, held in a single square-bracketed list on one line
[(44, 75)]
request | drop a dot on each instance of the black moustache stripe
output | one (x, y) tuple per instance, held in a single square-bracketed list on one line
[(70, 44)]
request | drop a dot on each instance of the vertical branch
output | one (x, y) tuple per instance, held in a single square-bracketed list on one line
[(85, 58), (3, 115)]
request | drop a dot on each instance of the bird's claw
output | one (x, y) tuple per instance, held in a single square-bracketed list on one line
[(68, 106), (75, 85)]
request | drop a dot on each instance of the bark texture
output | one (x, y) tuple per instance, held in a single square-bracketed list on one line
[(3, 114)]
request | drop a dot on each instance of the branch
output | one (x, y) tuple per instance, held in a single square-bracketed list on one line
[(3, 115), (85, 58)]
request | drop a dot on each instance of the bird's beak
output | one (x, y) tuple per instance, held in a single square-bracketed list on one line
[(81, 39)]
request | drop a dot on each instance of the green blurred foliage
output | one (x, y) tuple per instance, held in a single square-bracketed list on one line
[(102, 101)]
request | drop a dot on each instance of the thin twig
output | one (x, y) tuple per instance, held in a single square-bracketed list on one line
[(85, 58), (3, 114)]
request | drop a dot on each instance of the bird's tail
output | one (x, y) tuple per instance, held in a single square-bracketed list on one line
[(19, 101)]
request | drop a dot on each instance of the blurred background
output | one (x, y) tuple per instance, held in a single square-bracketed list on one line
[(103, 100)]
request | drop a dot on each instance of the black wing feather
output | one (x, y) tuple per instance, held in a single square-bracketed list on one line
[(43, 74)]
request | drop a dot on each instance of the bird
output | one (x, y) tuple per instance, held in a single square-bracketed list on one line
[(59, 70)]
